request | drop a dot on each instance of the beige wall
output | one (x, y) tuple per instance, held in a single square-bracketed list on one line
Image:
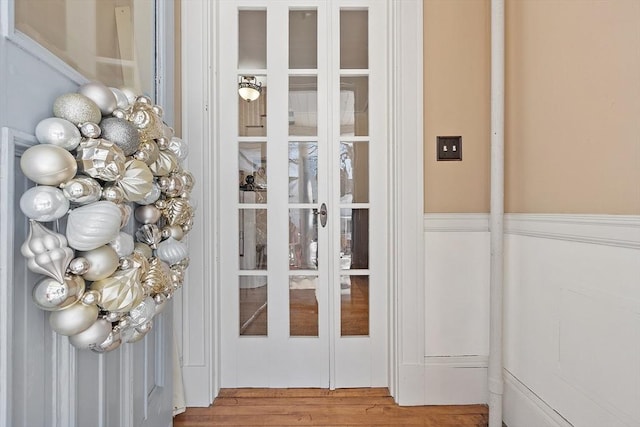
[(572, 105), (457, 75)]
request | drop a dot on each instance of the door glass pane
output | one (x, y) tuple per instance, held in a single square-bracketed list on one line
[(253, 305), (354, 106), (303, 106), (354, 305), (303, 239), (303, 306), (354, 172), (252, 39), (110, 41), (303, 39), (354, 239), (303, 172), (252, 172), (252, 115), (354, 39), (253, 239)]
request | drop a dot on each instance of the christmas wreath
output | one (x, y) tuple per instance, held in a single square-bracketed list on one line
[(111, 183)]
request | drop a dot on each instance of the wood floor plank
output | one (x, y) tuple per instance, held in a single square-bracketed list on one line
[(322, 407)]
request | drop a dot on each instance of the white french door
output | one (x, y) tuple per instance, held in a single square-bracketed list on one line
[(302, 170)]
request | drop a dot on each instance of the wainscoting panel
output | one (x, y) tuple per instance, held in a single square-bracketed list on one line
[(572, 320), (456, 308)]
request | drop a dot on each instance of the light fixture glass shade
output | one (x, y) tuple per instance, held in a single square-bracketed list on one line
[(249, 89)]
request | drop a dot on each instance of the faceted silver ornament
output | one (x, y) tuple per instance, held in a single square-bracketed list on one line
[(101, 159), (149, 234)]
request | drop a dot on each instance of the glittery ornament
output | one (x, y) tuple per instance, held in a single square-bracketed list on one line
[(101, 159), (122, 133), (76, 108)]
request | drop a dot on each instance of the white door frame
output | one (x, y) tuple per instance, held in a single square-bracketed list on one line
[(197, 324)]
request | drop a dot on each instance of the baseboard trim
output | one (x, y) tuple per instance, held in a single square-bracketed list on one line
[(524, 408)]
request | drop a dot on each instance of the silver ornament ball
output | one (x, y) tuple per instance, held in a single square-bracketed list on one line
[(79, 266), (48, 164), (101, 95), (90, 130), (50, 295)]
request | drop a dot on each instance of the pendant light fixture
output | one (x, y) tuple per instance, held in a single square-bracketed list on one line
[(249, 88)]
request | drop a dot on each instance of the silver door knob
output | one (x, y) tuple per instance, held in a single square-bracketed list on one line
[(322, 213)]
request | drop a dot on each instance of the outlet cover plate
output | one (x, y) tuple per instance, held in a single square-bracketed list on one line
[(449, 148)]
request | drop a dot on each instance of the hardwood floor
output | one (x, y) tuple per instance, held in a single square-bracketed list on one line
[(322, 407)]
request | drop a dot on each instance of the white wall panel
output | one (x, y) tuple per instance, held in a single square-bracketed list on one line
[(572, 317), (456, 260)]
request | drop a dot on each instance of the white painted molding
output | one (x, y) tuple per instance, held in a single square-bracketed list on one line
[(456, 222), (12, 144), (406, 269), (471, 361), (525, 408), (609, 230)]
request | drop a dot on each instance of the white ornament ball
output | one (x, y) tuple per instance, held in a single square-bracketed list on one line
[(48, 164), (44, 203), (58, 132)]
